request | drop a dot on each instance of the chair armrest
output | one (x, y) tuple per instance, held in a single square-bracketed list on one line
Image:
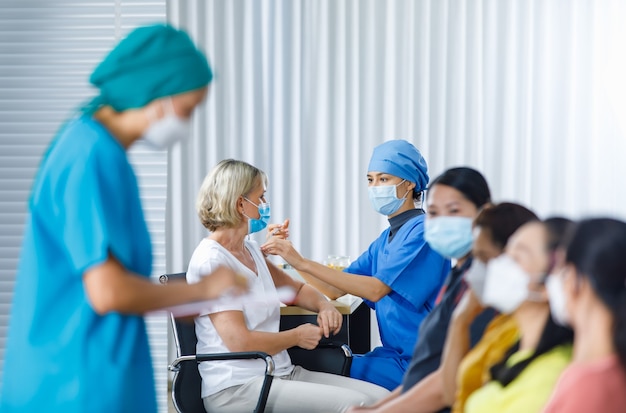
[(243, 355), (347, 351)]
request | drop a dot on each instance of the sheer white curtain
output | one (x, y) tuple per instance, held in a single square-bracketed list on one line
[(525, 91)]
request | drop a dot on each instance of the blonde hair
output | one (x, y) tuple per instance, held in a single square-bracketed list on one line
[(216, 204)]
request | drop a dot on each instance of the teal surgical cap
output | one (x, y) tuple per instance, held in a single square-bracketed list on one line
[(151, 62), (400, 158)]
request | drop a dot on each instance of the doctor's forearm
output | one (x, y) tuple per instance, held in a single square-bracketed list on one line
[(366, 287), (325, 288)]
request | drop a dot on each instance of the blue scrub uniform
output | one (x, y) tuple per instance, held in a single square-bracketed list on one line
[(61, 356), (415, 273)]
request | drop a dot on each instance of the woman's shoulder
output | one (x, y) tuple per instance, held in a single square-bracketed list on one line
[(207, 256), (550, 364), (597, 372), (208, 249), (590, 387), (561, 354)]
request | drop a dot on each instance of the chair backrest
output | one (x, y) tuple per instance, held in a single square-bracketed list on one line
[(187, 382)]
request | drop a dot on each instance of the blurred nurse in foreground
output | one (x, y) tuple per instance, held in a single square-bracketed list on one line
[(77, 340)]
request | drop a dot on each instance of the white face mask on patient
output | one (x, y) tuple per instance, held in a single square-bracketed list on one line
[(506, 285), (168, 130)]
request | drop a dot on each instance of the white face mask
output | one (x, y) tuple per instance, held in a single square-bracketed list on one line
[(475, 278), (506, 285), (168, 130), (556, 295)]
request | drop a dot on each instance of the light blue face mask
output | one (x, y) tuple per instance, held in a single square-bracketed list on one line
[(449, 236), (254, 224), (384, 199)]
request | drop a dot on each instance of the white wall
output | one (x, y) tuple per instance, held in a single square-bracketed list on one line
[(305, 90)]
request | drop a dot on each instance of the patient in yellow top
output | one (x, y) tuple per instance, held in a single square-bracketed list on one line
[(519, 359)]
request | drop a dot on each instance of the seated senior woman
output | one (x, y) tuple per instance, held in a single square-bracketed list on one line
[(231, 204)]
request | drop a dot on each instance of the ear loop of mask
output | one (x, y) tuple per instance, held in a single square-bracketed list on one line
[(244, 214), (406, 193)]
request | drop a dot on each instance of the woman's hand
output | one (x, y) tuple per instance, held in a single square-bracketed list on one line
[(329, 319), (468, 308), (309, 336), (223, 281), (282, 247), (278, 230)]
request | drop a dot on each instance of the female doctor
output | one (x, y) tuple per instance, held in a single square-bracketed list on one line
[(77, 340), (399, 275)]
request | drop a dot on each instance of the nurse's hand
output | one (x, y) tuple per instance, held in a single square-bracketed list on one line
[(278, 230), (329, 319), (223, 281), (282, 247), (309, 336)]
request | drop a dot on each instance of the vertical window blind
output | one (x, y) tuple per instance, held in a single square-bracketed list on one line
[(47, 51)]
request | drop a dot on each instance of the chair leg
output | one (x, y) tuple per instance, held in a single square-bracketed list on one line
[(265, 391)]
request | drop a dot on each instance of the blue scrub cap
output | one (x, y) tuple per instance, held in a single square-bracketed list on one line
[(400, 158), (150, 63)]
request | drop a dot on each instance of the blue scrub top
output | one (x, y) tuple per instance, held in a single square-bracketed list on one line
[(61, 355), (415, 273)]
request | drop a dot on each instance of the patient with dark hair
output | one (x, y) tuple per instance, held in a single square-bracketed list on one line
[(590, 295)]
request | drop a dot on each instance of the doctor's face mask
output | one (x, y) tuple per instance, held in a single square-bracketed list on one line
[(384, 198)]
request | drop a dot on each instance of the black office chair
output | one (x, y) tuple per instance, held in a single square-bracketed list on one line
[(327, 357), (186, 384)]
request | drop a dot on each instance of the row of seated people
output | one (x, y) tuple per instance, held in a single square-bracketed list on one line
[(492, 334)]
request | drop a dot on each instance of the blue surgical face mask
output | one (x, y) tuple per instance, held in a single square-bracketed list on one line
[(449, 236), (384, 199), (254, 224)]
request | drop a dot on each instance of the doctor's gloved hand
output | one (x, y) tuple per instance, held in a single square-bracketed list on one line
[(284, 248), (278, 230)]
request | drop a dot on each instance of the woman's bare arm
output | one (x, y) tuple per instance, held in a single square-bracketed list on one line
[(232, 328), (457, 343)]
